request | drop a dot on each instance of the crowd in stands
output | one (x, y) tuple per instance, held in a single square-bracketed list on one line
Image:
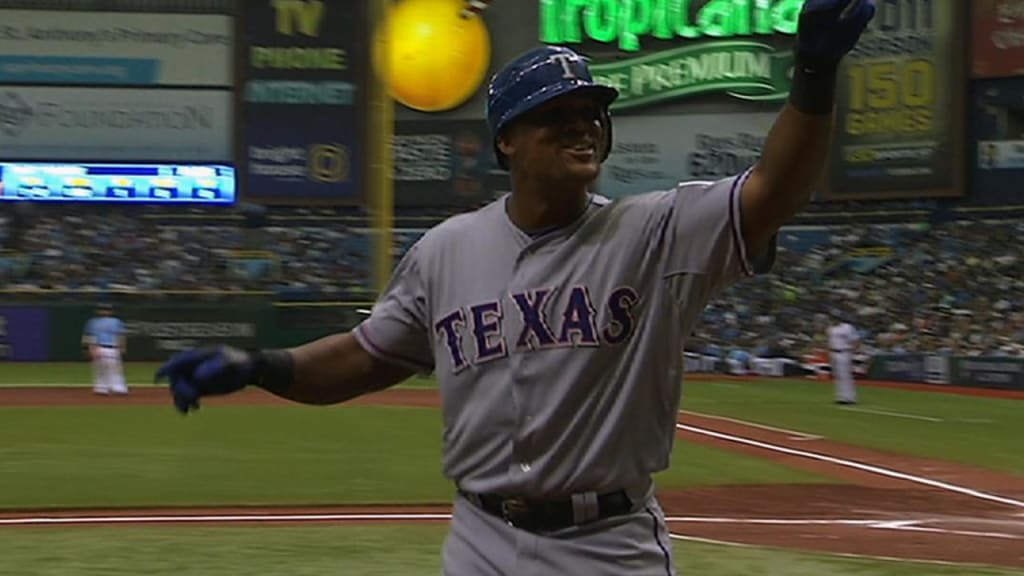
[(956, 288), (952, 286)]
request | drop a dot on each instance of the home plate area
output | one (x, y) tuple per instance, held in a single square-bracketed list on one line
[(925, 524)]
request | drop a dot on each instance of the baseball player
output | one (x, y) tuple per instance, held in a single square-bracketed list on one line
[(105, 340), (842, 339), (553, 318)]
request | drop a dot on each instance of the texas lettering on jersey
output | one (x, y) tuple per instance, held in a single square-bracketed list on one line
[(479, 333)]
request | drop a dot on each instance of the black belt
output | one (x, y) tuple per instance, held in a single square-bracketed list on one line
[(834, 351), (547, 515)]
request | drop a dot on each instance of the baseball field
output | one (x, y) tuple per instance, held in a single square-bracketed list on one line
[(768, 477)]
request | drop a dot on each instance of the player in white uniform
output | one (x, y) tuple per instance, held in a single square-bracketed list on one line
[(105, 339), (842, 339)]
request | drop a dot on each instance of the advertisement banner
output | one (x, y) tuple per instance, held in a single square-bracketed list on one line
[(121, 124), (155, 333), (899, 106), (125, 49), (1001, 154), (898, 368), (998, 38), (657, 152), (24, 334), (445, 162), (996, 129), (989, 372), (305, 104), (662, 55)]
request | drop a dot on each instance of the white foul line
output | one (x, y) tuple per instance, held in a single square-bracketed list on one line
[(857, 465), (216, 518), (1001, 535), (840, 554), (793, 434), (887, 413), (899, 525), (770, 521)]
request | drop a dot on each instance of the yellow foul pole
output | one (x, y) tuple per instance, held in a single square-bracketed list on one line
[(381, 130)]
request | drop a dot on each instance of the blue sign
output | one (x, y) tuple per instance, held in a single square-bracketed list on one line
[(71, 70), (305, 108), (153, 183), (24, 334)]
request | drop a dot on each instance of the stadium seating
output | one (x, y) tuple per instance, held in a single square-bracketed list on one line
[(947, 284)]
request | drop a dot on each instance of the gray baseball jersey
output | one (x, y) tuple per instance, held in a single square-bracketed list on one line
[(559, 356)]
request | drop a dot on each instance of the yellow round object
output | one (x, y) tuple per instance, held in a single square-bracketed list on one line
[(436, 59)]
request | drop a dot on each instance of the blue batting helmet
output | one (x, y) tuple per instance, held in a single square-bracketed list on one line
[(539, 76)]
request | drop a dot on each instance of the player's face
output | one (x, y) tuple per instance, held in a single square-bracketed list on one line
[(559, 141)]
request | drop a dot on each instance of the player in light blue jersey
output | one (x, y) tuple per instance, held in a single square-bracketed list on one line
[(104, 336)]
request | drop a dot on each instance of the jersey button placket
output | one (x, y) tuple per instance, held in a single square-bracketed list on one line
[(521, 463)]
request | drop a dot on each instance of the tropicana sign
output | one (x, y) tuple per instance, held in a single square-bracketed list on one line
[(729, 59)]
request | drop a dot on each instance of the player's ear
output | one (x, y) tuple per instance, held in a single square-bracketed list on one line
[(506, 143)]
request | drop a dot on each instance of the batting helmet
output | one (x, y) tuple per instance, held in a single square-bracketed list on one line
[(539, 76)]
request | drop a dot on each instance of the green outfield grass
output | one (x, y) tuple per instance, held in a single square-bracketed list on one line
[(68, 373), (80, 374), (363, 550), (983, 432), (149, 456)]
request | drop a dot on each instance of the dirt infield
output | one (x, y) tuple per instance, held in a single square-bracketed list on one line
[(881, 504)]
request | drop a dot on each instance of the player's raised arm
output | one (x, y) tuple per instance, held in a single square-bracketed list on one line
[(796, 149), (385, 349)]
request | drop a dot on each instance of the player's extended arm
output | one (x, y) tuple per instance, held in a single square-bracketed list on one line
[(335, 369), (795, 151), (329, 370)]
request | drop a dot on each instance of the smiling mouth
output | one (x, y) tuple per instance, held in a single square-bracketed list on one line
[(581, 148)]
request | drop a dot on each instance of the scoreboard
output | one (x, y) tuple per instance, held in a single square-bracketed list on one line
[(135, 183)]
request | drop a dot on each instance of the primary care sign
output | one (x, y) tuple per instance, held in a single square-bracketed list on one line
[(115, 48)]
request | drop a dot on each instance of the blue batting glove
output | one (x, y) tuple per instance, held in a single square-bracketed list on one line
[(829, 29), (211, 371)]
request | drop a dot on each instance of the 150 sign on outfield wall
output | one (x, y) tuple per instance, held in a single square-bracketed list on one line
[(899, 105), (729, 61)]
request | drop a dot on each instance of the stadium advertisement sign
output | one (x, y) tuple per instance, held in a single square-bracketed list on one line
[(998, 38), (657, 152), (900, 106), (118, 124), (24, 334), (898, 368), (304, 105), (1001, 154), (725, 51), (989, 372), (154, 333), (115, 48), (444, 162), (996, 142)]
